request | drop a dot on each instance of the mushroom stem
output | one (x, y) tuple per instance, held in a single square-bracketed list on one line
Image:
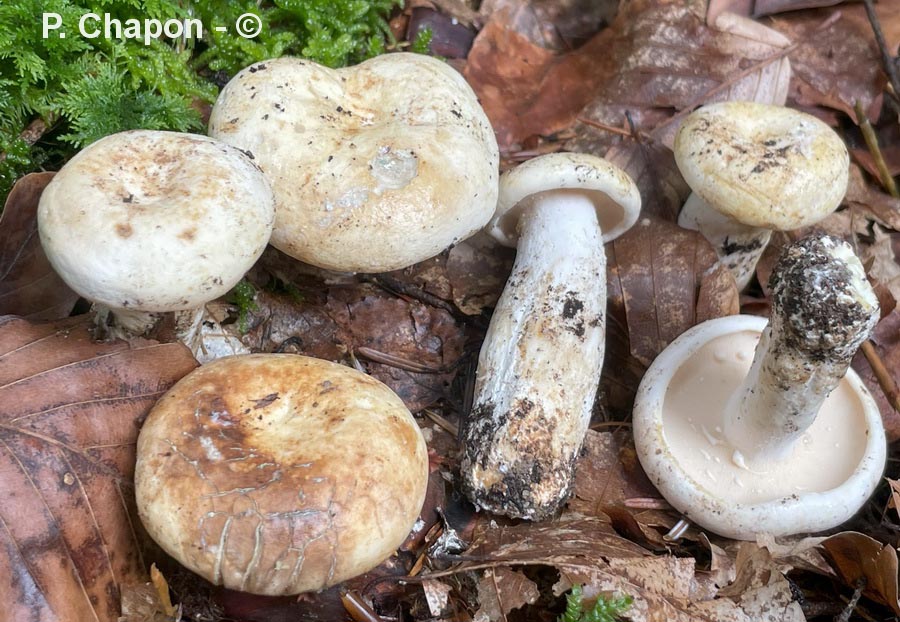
[(539, 367), (822, 310), (123, 323), (738, 246)]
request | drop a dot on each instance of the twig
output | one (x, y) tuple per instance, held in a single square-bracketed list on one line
[(886, 59), (358, 609), (872, 143), (448, 427), (851, 605), (885, 380), (399, 362), (395, 286)]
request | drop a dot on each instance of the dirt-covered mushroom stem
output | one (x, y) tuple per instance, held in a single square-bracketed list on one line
[(822, 310), (540, 364)]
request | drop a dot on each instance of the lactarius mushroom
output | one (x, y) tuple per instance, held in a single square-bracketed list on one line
[(790, 443), (755, 168), (144, 222), (279, 474), (539, 366), (375, 167)]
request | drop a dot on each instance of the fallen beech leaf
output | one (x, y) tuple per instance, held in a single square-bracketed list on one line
[(653, 169), (28, 285), (572, 541), (665, 58), (833, 67), (68, 427), (608, 473), (665, 589), (477, 270), (876, 204), (501, 590), (410, 346), (556, 25), (657, 273), (856, 556)]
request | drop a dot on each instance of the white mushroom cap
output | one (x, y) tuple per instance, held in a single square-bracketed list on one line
[(155, 221), (763, 165), (279, 474), (851, 458), (375, 167), (613, 192)]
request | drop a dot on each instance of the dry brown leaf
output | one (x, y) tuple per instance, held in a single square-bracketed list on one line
[(477, 270), (373, 325), (501, 590), (607, 474), (657, 275), (666, 589), (833, 67), (28, 285), (875, 204), (856, 556), (553, 24), (652, 167), (759, 8), (888, 12), (571, 541), (140, 603), (68, 427), (665, 58)]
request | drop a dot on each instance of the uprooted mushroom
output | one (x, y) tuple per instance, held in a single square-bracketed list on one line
[(783, 441), (539, 366)]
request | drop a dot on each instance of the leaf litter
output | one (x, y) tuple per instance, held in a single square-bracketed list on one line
[(552, 76)]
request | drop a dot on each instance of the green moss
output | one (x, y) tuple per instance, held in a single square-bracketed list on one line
[(84, 89), (604, 610), (422, 42), (244, 296)]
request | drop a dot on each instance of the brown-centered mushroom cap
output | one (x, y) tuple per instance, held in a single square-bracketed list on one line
[(280, 474)]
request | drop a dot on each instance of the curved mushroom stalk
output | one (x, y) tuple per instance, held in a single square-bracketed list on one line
[(822, 310), (539, 366), (738, 246), (527, 427)]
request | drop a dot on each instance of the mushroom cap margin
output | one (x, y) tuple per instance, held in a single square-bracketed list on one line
[(615, 195)]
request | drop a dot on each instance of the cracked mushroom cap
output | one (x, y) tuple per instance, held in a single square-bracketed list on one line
[(155, 221), (375, 167), (615, 197), (763, 165), (279, 474)]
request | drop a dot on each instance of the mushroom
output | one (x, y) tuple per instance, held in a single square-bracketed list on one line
[(792, 442), (754, 168), (539, 366), (375, 167), (278, 474), (144, 222)]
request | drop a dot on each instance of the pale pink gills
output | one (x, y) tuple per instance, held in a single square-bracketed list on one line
[(143, 222), (755, 168), (375, 167), (540, 363), (782, 441), (279, 474)]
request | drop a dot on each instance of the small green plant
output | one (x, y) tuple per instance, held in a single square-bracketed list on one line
[(244, 296), (422, 42), (604, 610)]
